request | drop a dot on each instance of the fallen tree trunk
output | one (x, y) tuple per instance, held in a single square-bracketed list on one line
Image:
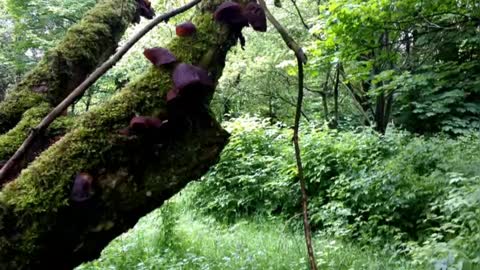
[(85, 46), (42, 227)]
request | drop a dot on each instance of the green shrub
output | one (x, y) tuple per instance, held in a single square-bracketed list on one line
[(395, 188), (253, 176)]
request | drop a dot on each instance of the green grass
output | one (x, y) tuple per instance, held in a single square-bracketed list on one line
[(174, 237)]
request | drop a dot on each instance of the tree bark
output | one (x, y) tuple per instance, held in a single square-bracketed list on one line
[(335, 96), (324, 95), (42, 227), (85, 46)]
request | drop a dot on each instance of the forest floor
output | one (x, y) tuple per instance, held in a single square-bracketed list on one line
[(175, 237)]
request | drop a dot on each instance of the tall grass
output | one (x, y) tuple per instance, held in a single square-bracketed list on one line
[(174, 237)]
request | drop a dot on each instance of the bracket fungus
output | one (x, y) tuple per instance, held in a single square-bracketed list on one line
[(140, 124), (159, 56), (186, 29), (238, 16), (172, 94), (191, 81), (82, 189), (256, 16), (144, 9), (231, 13)]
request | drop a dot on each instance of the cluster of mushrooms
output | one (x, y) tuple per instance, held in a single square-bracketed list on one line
[(190, 82)]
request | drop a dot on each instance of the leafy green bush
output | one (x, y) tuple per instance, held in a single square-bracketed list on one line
[(455, 240), (253, 176), (379, 189), (441, 97)]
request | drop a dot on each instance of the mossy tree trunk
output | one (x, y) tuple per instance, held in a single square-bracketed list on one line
[(85, 46), (40, 225)]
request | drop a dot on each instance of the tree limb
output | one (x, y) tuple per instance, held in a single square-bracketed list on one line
[(43, 227), (83, 48), (285, 36), (80, 90), (294, 2)]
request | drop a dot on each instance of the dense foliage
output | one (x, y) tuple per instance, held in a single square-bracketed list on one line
[(419, 195), (415, 60), (29, 28), (390, 135), (407, 63)]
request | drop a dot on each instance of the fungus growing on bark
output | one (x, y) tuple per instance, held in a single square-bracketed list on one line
[(231, 13), (140, 124), (82, 189), (159, 56), (42, 88), (172, 94), (191, 81), (143, 125), (152, 130), (256, 16), (185, 29), (144, 9)]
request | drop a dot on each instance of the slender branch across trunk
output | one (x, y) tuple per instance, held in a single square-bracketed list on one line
[(298, 157)]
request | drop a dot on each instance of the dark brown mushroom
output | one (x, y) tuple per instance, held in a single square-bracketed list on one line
[(144, 8), (185, 29), (140, 124), (159, 56), (256, 16), (187, 78), (231, 13), (82, 189)]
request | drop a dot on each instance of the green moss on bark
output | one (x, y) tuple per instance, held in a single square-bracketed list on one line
[(10, 141), (85, 46)]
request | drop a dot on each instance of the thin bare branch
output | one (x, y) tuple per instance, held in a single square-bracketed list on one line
[(301, 60), (294, 2), (283, 32)]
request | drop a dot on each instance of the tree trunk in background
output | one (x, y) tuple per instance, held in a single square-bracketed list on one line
[(384, 100), (335, 96), (85, 46), (41, 227), (324, 95)]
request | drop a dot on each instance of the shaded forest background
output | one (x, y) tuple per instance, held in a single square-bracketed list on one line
[(390, 134), (409, 64)]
